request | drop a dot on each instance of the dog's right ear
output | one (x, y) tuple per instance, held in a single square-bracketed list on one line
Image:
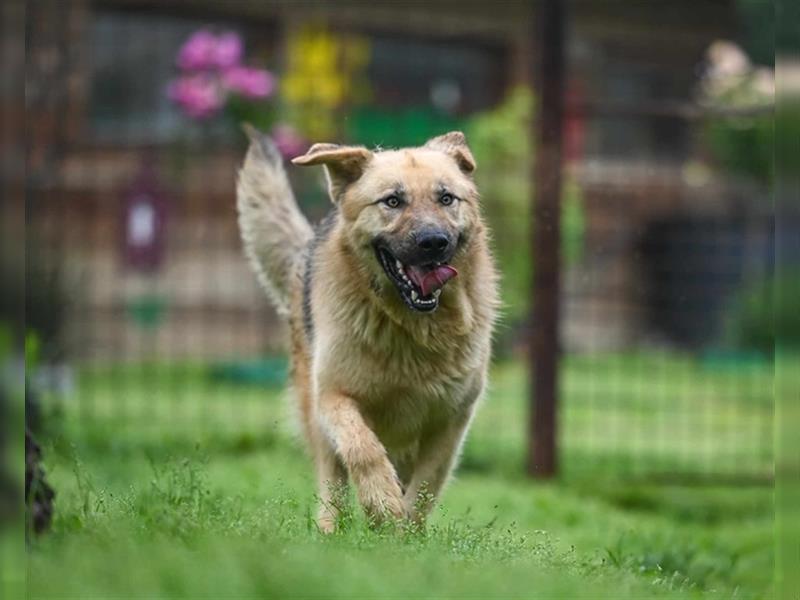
[(343, 164)]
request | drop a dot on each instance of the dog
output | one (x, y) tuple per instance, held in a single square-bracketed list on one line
[(391, 304)]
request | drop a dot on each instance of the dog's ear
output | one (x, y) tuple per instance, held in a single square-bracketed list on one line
[(454, 144), (343, 164)]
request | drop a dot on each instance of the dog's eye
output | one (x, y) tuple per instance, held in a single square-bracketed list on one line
[(392, 201), (447, 199)]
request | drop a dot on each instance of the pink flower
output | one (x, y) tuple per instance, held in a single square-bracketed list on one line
[(228, 50), (198, 51), (199, 96), (212, 71), (289, 142), (249, 82), (204, 50)]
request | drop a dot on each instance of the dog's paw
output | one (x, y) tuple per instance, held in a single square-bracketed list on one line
[(382, 498), (326, 524), (419, 501), (327, 517)]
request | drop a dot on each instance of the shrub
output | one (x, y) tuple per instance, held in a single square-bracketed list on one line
[(744, 143), (500, 141), (763, 309)]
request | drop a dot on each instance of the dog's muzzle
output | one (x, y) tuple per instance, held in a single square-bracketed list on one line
[(420, 282)]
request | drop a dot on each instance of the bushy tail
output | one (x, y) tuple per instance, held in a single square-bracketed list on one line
[(274, 231)]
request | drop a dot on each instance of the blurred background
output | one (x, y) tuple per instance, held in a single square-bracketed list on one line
[(135, 266), (148, 338)]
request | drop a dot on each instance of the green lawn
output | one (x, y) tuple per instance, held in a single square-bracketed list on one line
[(170, 485)]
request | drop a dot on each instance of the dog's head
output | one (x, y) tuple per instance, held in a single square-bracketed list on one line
[(408, 214)]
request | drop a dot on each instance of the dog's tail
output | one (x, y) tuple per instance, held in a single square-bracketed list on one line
[(274, 231)]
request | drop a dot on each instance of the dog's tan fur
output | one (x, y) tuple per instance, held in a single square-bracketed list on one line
[(386, 394)]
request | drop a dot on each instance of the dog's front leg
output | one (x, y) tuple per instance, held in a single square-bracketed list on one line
[(363, 455), (437, 455), (331, 481)]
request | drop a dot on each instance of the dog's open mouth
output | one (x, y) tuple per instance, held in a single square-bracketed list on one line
[(419, 285)]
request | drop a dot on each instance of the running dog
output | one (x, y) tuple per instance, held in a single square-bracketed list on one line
[(391, 303)]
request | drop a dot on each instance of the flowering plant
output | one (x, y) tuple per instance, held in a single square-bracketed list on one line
[(211, 71), (741, 135), (212, 78), (731, 80)]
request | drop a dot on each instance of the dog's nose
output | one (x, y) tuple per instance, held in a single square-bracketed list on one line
[(433, 243)]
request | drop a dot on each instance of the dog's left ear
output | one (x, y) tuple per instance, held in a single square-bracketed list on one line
[(454, 144), (343, 164)]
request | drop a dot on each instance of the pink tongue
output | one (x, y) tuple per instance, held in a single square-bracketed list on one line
[(430, 280)]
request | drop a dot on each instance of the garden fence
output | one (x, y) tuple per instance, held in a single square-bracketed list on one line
[(145, 315)]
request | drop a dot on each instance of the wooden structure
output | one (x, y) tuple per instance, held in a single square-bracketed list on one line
[(91, 121)]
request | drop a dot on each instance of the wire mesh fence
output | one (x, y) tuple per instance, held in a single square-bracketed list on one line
[(146, 318)]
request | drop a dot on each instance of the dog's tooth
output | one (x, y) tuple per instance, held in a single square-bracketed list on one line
[(414, 295), (437, 293), (399, 265)]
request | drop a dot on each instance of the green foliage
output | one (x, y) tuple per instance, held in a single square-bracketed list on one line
[(33, 351), (766, 307), (744, 145), (259, 114), (500, 141)]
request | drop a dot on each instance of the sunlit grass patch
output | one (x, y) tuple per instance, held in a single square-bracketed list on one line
[(224, 505)]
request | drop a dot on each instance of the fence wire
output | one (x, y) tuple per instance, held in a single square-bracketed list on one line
[(146, 318)]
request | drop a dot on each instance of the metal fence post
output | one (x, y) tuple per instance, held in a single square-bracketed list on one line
[(546, 231)]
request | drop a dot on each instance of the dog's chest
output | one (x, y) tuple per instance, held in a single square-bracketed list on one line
[(406, 378), (403, 387)]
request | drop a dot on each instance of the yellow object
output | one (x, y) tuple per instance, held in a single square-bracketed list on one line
[(324, 74)]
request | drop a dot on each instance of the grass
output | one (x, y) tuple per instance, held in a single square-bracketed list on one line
[(171, 485)]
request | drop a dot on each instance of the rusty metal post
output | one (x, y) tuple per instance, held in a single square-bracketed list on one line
[(546, 231)]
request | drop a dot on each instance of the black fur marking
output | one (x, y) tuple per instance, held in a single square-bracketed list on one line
[(321, 233)]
